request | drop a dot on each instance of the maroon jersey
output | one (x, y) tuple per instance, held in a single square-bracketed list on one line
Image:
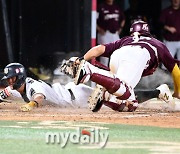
[(171, 17), (157, 50), (110, 17)]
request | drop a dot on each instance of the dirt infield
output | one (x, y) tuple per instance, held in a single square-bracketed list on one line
[(146, 117)]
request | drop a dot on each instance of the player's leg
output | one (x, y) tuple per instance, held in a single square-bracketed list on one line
[(128, 64), (128, 72), (162, 92), (100, 97), (62, 95), (102, 77), (145, 95), (81, 94)]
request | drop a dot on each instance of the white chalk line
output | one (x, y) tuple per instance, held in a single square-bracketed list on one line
[(153, 146)]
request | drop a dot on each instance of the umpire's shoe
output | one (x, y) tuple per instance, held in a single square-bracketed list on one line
[(95, 101), (83, 73), (165, 94)]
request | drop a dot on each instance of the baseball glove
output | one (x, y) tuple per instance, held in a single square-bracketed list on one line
[(69, 67), (29, 106)]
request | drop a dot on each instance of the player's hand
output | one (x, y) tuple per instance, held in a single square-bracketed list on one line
[(29, 106), (5, 93), (172, 30)]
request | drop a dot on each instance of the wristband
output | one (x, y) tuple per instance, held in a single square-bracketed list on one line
[(4, 94), (37, 104)]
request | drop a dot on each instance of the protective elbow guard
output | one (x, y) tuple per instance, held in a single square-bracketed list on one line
[(5, 93)]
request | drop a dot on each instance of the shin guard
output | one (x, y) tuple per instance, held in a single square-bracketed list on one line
[(112, 85)]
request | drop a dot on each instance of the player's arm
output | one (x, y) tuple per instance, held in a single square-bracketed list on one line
[(39, 98), (172, 65), (94, 52), (5, 93), (170, 29), (104, 50), (37, 101)]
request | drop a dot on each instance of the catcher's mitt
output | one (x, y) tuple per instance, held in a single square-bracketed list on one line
[(69, 67)]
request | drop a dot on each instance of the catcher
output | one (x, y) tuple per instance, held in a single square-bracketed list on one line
[(131, 58), (36, 93), (162, 92)]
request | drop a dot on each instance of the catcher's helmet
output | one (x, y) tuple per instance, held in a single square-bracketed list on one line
[(141, 27), (15, 70)]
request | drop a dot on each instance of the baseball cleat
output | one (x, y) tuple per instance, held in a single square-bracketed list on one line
[(95, 101), (83, 74), (165, 93), (121, 107)]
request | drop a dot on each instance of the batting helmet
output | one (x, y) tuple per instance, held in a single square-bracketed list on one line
[(15, 70), (141, 27)]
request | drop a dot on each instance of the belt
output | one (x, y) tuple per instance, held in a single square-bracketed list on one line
[(72, 95)]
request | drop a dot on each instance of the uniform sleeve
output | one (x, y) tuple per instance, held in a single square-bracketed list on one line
[(111, 47), (166, 58), (36, 88), (15, 93)]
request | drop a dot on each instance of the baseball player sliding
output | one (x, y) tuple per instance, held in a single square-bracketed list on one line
[(131, 58), (35, 93)]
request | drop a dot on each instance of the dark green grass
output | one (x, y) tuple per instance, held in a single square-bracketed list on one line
[(31, 139)]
